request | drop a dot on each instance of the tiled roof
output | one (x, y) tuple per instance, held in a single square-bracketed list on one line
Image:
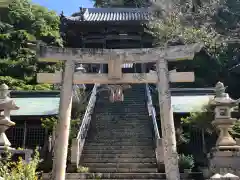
[(40, 106), (36, 106), (112, 14), (186, 104)]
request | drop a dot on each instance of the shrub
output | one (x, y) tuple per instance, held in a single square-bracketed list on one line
[(19, 170), (83, 169), (185, 162)]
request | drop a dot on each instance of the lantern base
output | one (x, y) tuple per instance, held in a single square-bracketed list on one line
[(227, 148), (221, 160), (4, 142)]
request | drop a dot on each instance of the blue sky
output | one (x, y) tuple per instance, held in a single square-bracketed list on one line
[(67, 6)]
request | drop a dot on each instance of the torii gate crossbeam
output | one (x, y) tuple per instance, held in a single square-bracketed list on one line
[(114, 59)]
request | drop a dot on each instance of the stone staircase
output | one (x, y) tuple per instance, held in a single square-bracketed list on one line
[(120, 141), (120, 144)]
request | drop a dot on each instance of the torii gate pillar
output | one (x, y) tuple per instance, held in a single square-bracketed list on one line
[(63, 126), (167, 122)]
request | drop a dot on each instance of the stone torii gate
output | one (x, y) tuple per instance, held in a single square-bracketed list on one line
[(115, 58)]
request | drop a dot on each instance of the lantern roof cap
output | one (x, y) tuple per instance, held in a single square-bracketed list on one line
[(4, 87)]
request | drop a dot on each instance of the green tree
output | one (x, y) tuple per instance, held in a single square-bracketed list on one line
[(215, 23), (26, 22), (121, 3)]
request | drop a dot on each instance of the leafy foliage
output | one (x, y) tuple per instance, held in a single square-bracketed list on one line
[(26, 22), (36, 20), (201, 119), (123, 3), (180, 25), (50, 124), (78, 110), (185, 162), (19, 170), (215, 23), (236, 130)]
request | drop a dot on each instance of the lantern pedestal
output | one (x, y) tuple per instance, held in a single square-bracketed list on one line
[(225, 140), (4, 125)]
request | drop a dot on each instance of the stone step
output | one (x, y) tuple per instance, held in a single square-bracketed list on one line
[(98, 132), (93, 138), (127, 97), (119, 165), (122, 118), (118, 160), (113, 179), (123, 170), (135, 114), (132, 139), (119, 151), (139, 120), (121, 125), (120, 136), (123, 134), (124, 104), (130, 123), (127, 100), (128, 130), (130, 148), (123, 107), (118, 143), (110, 142), (125, 120), (113, 155), (112, 133), (117, 175)]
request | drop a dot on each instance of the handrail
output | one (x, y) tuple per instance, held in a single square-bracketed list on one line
[(82, 133), (152, 113)]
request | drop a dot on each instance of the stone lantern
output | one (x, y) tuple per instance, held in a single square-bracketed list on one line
[(6, 105), (223, 105), (225, 157)]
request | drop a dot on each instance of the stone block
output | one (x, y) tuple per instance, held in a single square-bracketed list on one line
[(74, 151), (223, 154), (230, 176), (25, 153)]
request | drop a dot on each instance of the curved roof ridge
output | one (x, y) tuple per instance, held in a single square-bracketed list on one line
[(112, 14), (118, 10)]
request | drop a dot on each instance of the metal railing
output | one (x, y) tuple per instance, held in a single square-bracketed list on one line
[(82, 133), (152, 113)]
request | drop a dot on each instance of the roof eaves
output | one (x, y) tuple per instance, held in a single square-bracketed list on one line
[(27, 94), (112, 14)]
